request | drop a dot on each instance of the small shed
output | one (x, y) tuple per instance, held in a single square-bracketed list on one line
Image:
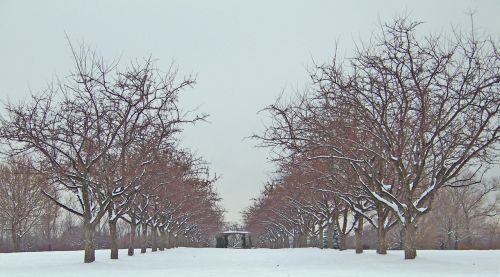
[(222, 239)]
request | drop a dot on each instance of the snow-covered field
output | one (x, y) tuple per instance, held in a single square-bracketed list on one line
[(186, 262)]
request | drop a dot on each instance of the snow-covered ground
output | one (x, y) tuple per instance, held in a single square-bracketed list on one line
[(186, 262)]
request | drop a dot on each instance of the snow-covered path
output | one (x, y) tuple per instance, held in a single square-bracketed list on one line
[(186, 262)]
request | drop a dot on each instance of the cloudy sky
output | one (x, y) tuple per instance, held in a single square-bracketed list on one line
[(244, 53)]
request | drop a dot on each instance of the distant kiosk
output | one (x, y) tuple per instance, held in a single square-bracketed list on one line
[(223, 239)]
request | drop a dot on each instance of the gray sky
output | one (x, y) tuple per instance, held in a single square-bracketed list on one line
[(245, 53)]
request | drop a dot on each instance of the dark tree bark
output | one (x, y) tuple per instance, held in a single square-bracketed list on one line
[(358, 234), (331, 233), (89, 242), (16, 241), (320, 235), (132, 235), (162, 239), (113, 238), (342, 245), (409, 245), (144, 237), (154, 239), (381, 241)]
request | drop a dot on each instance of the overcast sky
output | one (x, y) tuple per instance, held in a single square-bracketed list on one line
[(244, 53)]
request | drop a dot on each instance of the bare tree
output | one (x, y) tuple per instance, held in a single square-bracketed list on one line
[(458, 213), (74, 125), (21, 203)]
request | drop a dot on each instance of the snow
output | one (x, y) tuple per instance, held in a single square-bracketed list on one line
[(390, 204), (386, 187), (236, 232), (422, 210), (424, 195), (117, 191), (253, 262)]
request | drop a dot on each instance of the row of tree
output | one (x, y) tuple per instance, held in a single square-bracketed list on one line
[(378, 135), (297, 210), (33, 222), (104, 142)]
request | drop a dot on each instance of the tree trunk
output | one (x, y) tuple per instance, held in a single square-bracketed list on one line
[(401, 237), (320, 243), (49, 238), (381, 242), (15, 238), (341, 229), (89, 225), (358, 233), (114, 241), (168, 240), (131, 238), (294, 241), (89, 243), (409, 239), (341, 241), (381, 230), (162, 240), (331, 233), (144, 237), (310, 240), (154, 239), (178, 241), (449, 243), (175, 241), (16, 242), (302, 240), (285, 237)]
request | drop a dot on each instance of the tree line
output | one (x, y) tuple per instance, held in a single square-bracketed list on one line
[(102, 145), (381, 138)]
